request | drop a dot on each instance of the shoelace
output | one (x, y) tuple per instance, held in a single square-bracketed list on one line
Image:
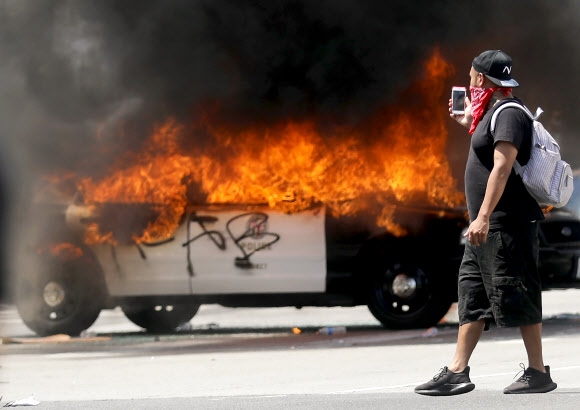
[(525, 378), (442, 372)]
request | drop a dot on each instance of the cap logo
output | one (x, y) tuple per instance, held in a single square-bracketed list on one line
[(508, 69)]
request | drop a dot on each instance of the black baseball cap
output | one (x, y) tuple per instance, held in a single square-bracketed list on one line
[(497, 66)]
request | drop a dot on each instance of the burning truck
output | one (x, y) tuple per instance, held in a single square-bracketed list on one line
[(250, 154), (292, 213)]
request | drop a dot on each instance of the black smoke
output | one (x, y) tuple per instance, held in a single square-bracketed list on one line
[(68, 66), (72, 71)]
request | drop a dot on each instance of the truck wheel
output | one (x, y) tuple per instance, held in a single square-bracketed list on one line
[(160, 318), (60, 296), (403, 295)]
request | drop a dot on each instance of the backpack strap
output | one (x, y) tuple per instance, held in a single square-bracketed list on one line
[(525, 109), (539, 111)]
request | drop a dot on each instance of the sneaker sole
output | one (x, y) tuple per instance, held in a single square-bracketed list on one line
[(542, 389), (448, 390)]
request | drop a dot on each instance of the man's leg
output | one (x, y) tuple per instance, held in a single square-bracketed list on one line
[(455, 379), (532, 336), (467, 338), (472, 309), (536, 378)]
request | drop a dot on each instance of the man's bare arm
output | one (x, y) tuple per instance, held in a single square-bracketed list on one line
[(504, 157)]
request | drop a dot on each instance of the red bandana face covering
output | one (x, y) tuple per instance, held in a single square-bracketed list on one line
[(480, 97)]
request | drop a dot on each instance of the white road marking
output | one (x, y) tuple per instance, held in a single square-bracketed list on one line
[(375, 388), (251, 396)]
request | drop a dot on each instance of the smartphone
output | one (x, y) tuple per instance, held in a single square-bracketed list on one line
[(458, 100)]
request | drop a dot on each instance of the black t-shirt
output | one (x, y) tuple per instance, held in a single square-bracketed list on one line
[(515, 205)]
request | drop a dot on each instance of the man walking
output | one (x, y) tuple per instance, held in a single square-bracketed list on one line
[(498, 277)]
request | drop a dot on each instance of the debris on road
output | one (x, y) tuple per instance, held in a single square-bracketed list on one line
[(432, 331), (60, 338), (29, 401), (331, 330)]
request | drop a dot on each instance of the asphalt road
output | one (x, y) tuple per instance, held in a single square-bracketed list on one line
[(250, 359)]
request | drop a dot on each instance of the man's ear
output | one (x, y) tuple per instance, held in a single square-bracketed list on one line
[(480, 79)]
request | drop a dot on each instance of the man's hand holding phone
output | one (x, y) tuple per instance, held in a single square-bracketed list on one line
[(460, 106)]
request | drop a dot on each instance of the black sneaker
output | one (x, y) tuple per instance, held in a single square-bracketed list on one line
[(532, 381), (447, 383)]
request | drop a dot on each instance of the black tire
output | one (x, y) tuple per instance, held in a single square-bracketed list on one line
[(60, 296), (160, 318), (405, 295)]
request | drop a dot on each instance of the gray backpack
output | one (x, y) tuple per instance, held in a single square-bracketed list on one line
[(546, 176)]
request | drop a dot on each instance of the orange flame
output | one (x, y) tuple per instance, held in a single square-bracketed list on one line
[(65, 251), (397, 157)]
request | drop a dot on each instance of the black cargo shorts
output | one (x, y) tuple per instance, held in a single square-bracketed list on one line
[(499, 280)]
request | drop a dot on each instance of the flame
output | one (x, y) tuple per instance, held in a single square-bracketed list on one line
[(65, 251), (396, 157)]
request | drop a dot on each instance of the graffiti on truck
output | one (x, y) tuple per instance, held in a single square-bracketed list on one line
[(256, 228)]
